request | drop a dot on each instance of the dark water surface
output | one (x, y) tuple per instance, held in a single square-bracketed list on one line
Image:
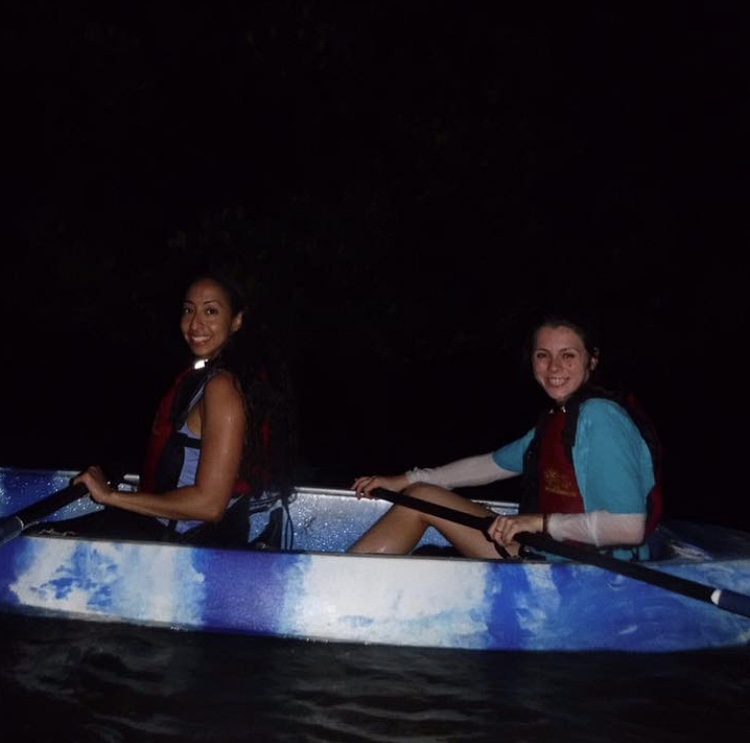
[(66, 681)]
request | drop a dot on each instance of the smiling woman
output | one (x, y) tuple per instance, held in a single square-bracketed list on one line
[(221, 436), (588, 471)]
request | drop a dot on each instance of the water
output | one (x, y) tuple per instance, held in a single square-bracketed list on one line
[(64, 681)]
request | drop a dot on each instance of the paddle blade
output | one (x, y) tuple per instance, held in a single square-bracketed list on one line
[(11, 526)]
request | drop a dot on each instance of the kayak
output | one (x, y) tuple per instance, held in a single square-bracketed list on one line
[(295, 580)]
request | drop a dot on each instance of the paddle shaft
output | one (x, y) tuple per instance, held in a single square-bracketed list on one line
[(731, 601), (13, 525), (481, 523)]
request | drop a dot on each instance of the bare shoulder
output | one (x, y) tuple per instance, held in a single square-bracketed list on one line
[(223, 386)]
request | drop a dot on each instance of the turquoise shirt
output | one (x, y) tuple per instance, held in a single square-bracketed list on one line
[(612, 461)]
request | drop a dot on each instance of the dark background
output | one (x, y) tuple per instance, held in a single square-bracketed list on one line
[(405, 183)]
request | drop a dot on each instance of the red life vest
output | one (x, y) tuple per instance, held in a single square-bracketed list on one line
[(161, 431), (558, 486)]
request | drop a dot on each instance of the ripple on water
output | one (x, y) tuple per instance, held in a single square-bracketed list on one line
[(106, 682)]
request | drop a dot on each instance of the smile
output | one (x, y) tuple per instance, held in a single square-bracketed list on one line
[(556, 381)]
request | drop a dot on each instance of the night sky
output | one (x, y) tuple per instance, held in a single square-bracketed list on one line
[(406, 183)]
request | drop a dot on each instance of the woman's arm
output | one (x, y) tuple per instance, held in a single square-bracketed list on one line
[(222, 437), (478, 470), (599, 528), (612, 461)]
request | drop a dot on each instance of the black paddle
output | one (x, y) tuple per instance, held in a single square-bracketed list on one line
[(724, 598), (13, 525)]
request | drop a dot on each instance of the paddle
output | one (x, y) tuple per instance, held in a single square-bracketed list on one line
[(724, 598), (13, 525)]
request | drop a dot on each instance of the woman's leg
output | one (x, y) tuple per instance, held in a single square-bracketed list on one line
[(399, 530)]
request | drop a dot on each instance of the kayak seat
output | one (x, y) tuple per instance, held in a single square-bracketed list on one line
[(271, 537), (665, 545)]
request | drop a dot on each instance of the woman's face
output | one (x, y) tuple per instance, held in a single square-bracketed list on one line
[(560, 361), (207, 321)]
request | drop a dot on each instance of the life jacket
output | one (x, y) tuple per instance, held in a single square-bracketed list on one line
[(165, 455), (165, 450), (558, 484), (655, 499)]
